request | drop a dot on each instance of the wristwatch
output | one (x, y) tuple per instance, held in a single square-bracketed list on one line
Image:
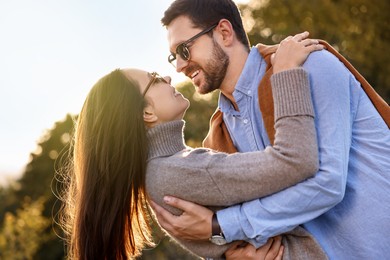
[(217, 237)]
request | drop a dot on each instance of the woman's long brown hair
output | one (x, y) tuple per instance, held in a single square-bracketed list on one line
[(106, 211)]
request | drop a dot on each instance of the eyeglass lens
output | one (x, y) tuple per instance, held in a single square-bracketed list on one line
[(154, 77), (182, 49)]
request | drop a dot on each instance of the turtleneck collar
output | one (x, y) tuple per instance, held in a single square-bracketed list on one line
[(166, 139)]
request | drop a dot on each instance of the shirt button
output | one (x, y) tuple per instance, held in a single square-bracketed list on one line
[(245, 121), (249, 92)]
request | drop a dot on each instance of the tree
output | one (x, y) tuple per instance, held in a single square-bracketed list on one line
[(198, 115), (30, 200), (22, 234), (359, 29)]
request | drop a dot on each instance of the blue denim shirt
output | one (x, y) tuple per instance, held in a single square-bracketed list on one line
[(246, 124), (346, 205)]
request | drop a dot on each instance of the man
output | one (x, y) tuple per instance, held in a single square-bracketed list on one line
[(346, 205)]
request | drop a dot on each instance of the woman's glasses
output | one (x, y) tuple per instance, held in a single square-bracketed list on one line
[(154, 77), (182, 49)]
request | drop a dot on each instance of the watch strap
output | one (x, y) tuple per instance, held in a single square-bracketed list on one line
[(215, 227)]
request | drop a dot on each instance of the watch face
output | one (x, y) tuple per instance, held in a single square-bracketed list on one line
[(218, 240)]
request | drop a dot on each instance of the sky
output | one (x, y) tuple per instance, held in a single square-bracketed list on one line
[(51, 54)]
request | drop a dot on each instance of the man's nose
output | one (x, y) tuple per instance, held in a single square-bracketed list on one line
[(180, 64)]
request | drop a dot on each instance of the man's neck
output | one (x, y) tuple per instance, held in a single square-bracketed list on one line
[(237, 62)]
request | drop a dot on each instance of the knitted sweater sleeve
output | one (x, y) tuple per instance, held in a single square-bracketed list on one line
[(219, 179)]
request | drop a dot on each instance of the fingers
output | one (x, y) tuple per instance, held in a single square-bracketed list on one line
[(249, 252), (308, 42), (272, 58), (312, 44), (274, 249), (287, 39), (193, 224), (297, 37), (179, 203), (164, 217), (267, 245), (235, 245), (280, 253), (157, 208), (154, 204), (300, 36), (277, 241), (315, 47), (293, 51), (241, 251)]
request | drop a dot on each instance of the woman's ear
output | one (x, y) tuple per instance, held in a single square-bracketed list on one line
[(149, 116)]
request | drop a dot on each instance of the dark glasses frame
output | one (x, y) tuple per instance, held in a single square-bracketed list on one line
[(154, 76), (183, 50)]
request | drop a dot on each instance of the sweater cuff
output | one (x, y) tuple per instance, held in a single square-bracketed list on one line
[(291, 93)]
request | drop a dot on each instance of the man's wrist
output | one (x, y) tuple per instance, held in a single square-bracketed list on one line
[(217, 236), (215, 227)]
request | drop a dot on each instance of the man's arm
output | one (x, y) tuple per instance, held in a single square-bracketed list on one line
[(260, 219)]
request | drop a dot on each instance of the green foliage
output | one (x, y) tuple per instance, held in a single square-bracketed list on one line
[(42, 165), (359, 29), (22, 234), (199, 113), (35, 187)]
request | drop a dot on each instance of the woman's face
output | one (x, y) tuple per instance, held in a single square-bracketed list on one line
[(167, 103)]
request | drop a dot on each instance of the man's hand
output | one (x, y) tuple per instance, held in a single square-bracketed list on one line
[(273, 249), (193, 224)]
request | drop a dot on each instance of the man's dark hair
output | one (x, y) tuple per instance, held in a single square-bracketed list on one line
[(204, 13)]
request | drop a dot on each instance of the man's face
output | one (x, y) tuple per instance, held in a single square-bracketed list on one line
[(208, 62)]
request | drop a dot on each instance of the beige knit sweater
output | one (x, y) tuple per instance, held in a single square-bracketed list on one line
[(219, 179)]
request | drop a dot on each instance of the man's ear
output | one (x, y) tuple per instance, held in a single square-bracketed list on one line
[(149, 116), (225, 28)]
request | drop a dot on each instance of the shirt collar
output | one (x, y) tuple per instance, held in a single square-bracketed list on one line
[(248, 81)]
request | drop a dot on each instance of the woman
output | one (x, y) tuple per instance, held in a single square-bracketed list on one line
[(129, 147)]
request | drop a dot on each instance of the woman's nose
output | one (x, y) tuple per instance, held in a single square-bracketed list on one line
[(168, 79)]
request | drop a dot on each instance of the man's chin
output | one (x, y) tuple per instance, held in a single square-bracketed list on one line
[(201, 90)]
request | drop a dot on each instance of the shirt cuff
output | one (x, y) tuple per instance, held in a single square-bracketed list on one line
[(233, 228)]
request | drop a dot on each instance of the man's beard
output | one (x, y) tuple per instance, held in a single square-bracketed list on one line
[(214, 70)]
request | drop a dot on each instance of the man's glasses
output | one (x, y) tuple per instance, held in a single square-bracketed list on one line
[(154, 77), (182, 49)]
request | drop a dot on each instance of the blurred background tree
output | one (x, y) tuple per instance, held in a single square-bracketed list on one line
[(23, 234), (28, 209), (359, 29), (198, 115)]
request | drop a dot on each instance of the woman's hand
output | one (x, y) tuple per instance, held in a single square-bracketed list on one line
[(240, 250), (293, 51)]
